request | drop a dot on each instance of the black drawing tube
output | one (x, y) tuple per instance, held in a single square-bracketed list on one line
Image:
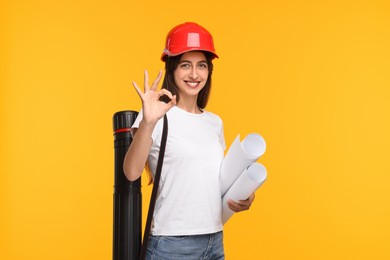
[(127, 218)]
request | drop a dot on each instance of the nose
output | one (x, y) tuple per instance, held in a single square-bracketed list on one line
[(194, 73)]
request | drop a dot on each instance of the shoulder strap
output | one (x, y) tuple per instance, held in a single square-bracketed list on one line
[(155, 189)]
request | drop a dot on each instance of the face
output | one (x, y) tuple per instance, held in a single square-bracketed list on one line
[(191, 74)]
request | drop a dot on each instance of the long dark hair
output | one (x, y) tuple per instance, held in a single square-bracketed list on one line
[(171, 64)]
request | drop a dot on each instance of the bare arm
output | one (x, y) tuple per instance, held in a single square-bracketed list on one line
[(138, 151), (153, 110)]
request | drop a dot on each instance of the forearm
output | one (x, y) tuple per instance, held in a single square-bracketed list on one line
[(138, 152), (153, 110)]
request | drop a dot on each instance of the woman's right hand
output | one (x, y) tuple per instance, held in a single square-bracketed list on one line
[(153, 108)]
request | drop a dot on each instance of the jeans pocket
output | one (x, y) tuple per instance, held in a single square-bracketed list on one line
[(173, 239)]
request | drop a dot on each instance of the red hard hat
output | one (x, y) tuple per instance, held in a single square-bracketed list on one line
[(188, 37)]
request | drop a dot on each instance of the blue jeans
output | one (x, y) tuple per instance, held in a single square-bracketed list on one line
[(194, 247)]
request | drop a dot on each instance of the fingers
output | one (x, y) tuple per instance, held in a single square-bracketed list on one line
[(252, 197), (164, 91), (146, 81), (153, 87), (156, 81), (237, 207), (241, 205), (137, 89), (172, 103), (234, 206)]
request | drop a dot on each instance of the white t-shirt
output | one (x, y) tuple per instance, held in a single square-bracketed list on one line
[(189, 197)]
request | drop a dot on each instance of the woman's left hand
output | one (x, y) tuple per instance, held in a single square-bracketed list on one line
[(241, 205)]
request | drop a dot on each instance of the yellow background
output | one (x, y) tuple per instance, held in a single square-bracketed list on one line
[(312, 77)]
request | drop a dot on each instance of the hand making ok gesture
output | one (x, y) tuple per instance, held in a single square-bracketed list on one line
[(153, 108)]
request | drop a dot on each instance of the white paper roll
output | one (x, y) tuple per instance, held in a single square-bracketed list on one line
[(248, 182), (238, 157)]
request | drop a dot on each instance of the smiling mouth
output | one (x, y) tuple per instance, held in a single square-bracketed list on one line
[(192, 84)]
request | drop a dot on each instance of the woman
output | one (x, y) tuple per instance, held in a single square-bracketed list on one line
[(187, 218)]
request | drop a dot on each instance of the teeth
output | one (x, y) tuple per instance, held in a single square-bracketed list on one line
[(192, 84)]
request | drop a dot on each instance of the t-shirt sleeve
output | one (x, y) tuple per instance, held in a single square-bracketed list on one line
[(137, 120), (156, 132)]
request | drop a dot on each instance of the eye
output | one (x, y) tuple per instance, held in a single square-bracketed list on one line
[(185, 65), (203, 65)]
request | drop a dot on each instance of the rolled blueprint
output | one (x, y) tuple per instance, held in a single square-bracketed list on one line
[(238, 157), (248, 182)]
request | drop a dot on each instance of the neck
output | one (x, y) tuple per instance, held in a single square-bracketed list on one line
[(189, 105)]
